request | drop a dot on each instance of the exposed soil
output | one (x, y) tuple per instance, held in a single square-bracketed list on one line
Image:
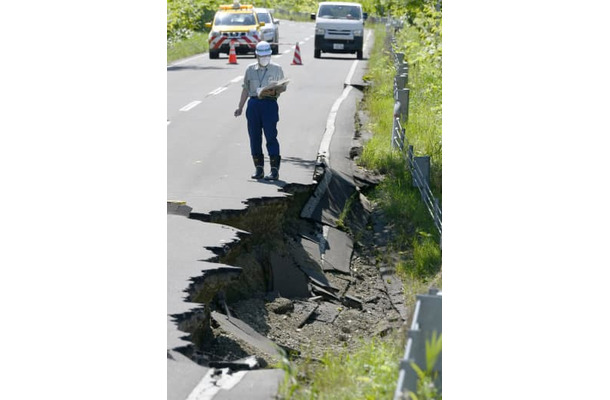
[(308, 326), (314, 327), (361, 307)]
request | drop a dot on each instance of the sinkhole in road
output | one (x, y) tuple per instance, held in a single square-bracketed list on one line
[(279, 296), (273, 226)]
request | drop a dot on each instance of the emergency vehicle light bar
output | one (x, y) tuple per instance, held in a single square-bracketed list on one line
[(235, 6)]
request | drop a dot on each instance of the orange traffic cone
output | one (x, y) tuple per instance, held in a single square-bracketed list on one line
[(297, 56), (232, 55)]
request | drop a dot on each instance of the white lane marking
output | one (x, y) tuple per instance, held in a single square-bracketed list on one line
[(217, 91), (190, 105), (366, 42), (209, 386), (186, 60), (350, 74), (287, 51), (324, 155), (330, 126), (239, 78)]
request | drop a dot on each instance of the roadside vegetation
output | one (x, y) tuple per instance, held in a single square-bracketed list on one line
[(416, 240), (371, 372)]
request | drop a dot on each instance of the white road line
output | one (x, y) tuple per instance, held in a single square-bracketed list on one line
[(185, 60), (217, 91), (208, 387), (287, 51), (330, 126), (190, 105), (324, 155), (239, 78), (350, 74), (366, 42)]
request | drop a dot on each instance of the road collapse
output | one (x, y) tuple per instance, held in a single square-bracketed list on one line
[(305, 277)]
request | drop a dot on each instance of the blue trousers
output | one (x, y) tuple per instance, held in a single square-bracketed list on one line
[(263, 116)]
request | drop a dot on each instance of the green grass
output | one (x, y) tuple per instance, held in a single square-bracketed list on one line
[(292, 17), (369, 373), (415, 234), (372, 371), (423, 52), (196, 44)]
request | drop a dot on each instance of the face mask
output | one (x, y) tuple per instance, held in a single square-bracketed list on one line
[(264, 61)]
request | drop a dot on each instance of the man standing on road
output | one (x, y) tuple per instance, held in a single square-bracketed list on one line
[(263, 111)]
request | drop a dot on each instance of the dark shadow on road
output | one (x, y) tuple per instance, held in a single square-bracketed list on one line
[(298, 162), (341, 58)]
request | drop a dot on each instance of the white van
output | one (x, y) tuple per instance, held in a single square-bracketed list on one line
[(339, 28)]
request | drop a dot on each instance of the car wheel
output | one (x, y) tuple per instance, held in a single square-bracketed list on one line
[(317, 53), (359, 54), (214, 55), (275, 49)]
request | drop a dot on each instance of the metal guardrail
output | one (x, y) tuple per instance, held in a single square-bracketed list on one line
[(427, 320), (419, 166)]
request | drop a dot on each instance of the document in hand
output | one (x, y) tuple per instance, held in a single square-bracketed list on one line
[(273, 88)]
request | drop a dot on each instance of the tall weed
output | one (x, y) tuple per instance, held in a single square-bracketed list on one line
[(368, 373), (396, 195)]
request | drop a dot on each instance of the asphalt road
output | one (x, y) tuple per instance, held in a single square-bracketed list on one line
[(209, 162)]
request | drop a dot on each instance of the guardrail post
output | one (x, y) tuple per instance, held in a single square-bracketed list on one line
[(395, 128), (422, 164), (400, 58), (403, 98), (401, 81), (404, 69)]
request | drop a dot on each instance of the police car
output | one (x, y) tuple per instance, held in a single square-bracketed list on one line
[(234, 23)]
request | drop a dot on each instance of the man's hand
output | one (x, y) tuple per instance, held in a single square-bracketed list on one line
[(237, 112), (267, 93)]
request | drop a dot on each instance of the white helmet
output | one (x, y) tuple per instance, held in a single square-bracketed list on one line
[(263, 48)]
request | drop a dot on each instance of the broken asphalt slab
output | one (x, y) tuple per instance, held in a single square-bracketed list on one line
[(246, 333), (332, 252), (188, 249)]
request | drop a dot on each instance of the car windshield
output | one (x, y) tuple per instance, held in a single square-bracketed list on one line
[(264, 17), (339, 12), (234, 19)]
